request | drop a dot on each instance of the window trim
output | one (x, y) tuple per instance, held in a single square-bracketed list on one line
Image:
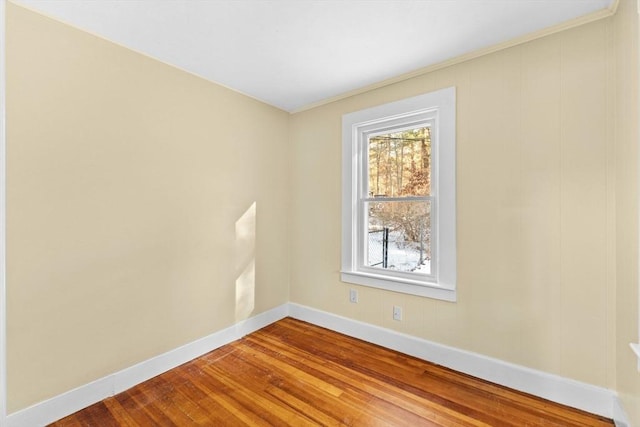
[(438, 109)]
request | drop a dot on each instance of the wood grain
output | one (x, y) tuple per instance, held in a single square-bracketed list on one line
[(292, 373)]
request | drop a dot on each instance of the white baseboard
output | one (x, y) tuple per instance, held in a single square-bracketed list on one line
[(573, 393), (596, 400), (619, 415), (72, 401)]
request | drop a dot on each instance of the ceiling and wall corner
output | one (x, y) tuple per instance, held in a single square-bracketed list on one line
[(299, 54)]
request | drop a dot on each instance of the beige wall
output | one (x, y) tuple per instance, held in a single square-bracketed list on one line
[(128, 183), (627, 135), (535, 200), (141, 198)]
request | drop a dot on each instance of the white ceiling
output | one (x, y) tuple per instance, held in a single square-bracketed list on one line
[(292, 53)]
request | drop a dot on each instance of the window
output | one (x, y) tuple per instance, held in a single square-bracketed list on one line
[(398, 207)]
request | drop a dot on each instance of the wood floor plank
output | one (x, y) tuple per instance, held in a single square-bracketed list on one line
[(240, 412), (355, 403), (211, 411), (119, 413), (132, 409), (483, 411), (427, 408), (292, 373), (482, 402)]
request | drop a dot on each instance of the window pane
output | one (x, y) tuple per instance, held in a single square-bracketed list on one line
[(399, 236), (400, 164)]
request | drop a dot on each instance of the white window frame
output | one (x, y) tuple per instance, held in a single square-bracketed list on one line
[(436, 110)]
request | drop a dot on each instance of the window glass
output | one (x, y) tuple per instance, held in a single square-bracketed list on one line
[(398, 235), (400, 163)]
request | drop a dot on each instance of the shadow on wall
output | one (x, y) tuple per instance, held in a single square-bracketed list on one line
[(246, 263)]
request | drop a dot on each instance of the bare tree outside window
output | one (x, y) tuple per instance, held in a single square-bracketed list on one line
[(399, 170)]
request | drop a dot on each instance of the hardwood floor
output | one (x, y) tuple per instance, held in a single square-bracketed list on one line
[(292, 373)]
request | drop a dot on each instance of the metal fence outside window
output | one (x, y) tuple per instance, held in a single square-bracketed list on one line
[(378, 248)]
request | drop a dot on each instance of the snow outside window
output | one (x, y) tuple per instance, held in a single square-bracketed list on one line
[(398, 207)]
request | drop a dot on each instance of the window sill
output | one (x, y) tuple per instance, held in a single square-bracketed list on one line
[(428, 290)]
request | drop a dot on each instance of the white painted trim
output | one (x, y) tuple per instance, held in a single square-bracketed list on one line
[(619, 416), (402, 285), (72, 401), (3, 210), (438, 108), (566, 391), (573, 393)]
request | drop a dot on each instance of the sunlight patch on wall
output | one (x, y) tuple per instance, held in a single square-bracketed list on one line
[(245, 263)]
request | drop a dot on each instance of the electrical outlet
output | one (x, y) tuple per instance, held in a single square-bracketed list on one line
[(397, 312), (353, 296)]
